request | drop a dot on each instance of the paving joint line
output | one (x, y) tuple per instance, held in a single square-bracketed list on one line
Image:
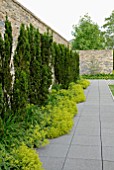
[(100, 127)]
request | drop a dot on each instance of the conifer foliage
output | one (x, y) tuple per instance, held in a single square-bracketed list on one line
[(1, 74), (66, 65), (21, 65), (46, 74), (5, 74), (35, 65)]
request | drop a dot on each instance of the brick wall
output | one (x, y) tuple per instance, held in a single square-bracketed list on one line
[(18, 14), (96, 61)]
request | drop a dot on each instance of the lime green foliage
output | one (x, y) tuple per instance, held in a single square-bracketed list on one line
[(112, 89), (77, 92), (36, 137), (22, 158), (84, 83), (62, 108), (26, 158), (99, 76), (61, 116)]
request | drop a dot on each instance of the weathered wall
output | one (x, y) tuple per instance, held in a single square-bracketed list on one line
[(18, 14), (96, 61)]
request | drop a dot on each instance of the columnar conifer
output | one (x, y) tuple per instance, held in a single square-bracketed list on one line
[(46, 74), (1, 75), (35, 65), (6, 74), (66, 65), (21, 64), (1, 57)]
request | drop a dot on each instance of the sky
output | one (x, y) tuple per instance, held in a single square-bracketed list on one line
[(61, 15)]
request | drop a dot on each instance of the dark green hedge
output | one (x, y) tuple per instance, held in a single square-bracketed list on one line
[(34, 57)]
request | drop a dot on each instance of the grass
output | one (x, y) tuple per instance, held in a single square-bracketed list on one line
[(112, 89)]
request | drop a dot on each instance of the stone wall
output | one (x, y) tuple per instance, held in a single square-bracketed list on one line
[(18, 14), (96, 61)]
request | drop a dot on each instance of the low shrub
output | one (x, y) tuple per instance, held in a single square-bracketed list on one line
[(77, 92), (14, 131), (84, 83), (61, 109), (21, 158), (61, 116), (30, 130)]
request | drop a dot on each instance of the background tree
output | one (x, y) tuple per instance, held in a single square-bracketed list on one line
[(109, 31), (87, 35)]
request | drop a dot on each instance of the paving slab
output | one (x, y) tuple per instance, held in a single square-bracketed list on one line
[(91, 111), (65, 139), (80, 164), (85, 152), (88, 131), (108, 153), (90, 118), (107, 119), (80, 107), (107, 132), (108, 140), (108, 125), (87, 114), (108, 165), (88, 124), (107, 114), (86, 140), (54, 150), (104, 108), (52, 163), (91, 107)]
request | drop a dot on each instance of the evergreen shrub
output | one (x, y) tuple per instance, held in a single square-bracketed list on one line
[(21, 158), (61, 109), (84, 83)]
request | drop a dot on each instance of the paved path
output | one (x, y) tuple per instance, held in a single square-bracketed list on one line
[(90, 145)]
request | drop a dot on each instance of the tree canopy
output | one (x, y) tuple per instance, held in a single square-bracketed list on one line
[(87, 35), (109, 31)]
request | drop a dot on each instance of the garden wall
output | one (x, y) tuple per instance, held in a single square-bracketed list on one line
[(96, 61), (18, 14)]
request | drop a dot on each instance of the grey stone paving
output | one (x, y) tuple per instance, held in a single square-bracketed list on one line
[(90, 145)]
